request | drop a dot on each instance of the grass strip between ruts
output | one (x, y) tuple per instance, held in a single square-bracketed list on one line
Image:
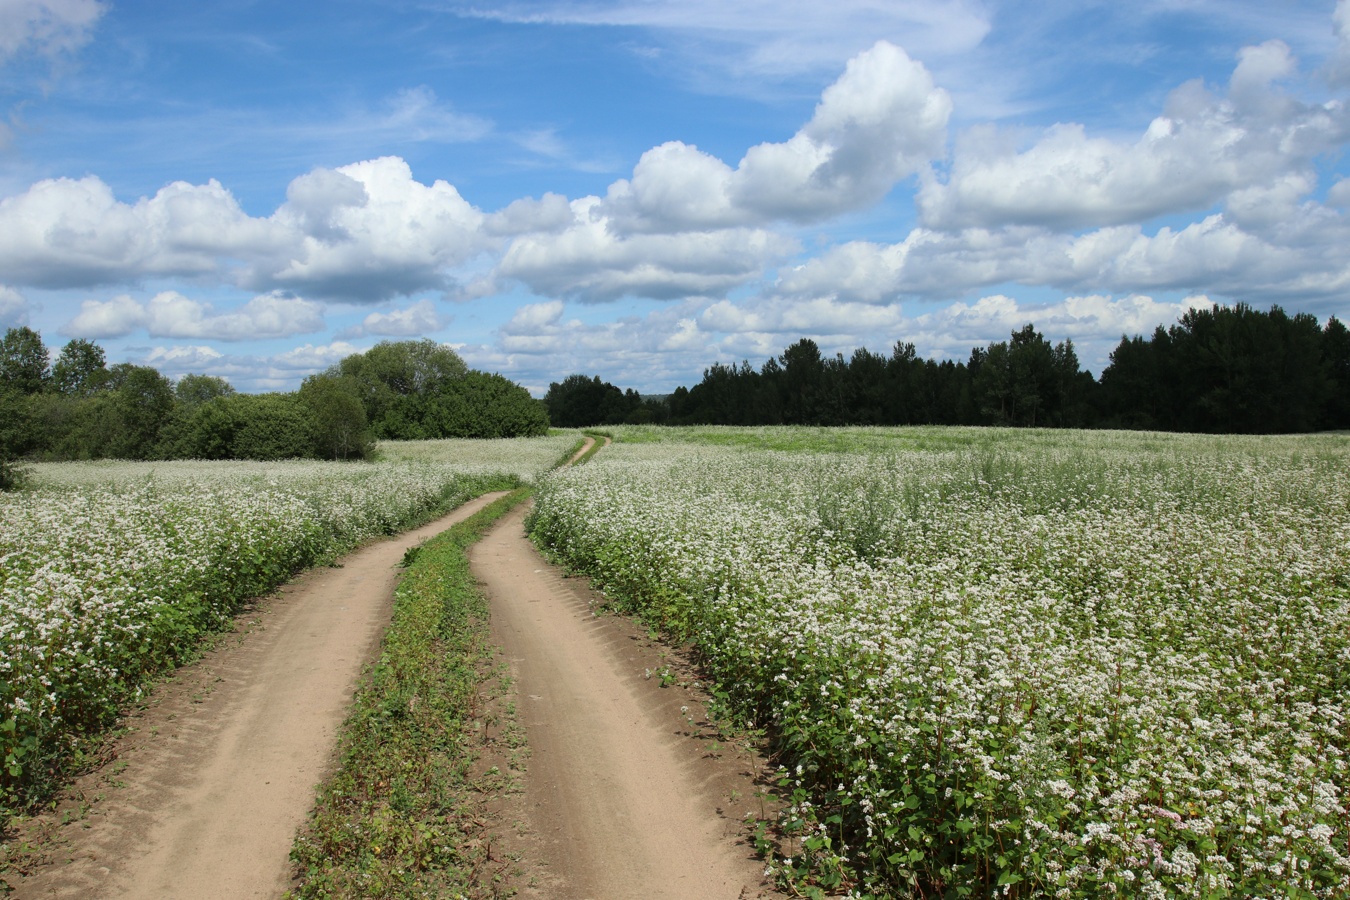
[(397, 819)]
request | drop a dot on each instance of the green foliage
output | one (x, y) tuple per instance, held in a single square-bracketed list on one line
[(81, 369), (398, 819), (1231, 370), (581, 402), (421, 390), (1026, 382), (274, 426), (141, 401), (392, 371), (16, 437), (337, 415), (193, 390), (24, 366), (482, 405)]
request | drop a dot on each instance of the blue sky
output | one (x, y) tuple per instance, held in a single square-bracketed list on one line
[(637, 189)]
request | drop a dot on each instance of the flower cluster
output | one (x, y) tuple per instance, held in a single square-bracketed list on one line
[(1024, 664)]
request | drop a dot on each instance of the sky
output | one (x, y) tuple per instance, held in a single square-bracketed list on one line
[(637, 189)]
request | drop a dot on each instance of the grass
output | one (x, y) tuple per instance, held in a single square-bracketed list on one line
[(399, 818)]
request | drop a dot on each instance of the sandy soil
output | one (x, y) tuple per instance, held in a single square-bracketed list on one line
[(627, 791), (205, 791)]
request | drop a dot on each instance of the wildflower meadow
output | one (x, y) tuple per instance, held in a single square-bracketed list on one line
[(1006, 663), (112, 572)]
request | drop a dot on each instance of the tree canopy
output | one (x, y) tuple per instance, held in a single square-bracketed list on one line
[(80, 408)]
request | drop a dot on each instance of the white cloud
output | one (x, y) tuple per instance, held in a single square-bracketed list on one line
[(363, 232), (311, 358), (1339, 67), (413, 321), (178, 361), (880, 122), (688, 225), (13, 307), (540, 345), (1095, 323), (770, 38), (550, 213), (170, 314), (816, 316), (74, 233), (534, 318), (589, 262), (107, 318), (1339, 195), (1201, 149), (1270, 248), (400, 240), (282, 372), (273, 315), (1091, 317), (46, 27)]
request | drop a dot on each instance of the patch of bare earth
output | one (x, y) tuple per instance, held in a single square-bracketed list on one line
[(202, 795), (627, 791)]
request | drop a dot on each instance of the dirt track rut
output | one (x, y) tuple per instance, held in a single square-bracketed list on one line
[(625, 795), (219, 770)]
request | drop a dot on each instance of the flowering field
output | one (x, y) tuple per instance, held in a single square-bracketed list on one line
[(1007, 663), (111, 572)]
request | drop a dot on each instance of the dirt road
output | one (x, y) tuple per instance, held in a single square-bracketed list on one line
[(218, 772), (627, 794)]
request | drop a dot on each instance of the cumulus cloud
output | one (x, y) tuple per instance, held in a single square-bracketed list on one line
[(281, 372), (364, 232), (1339, 195), (880, 122), (540, 344), (181, 360), (688, 225), (13, 308), (107, 318), (1200, 150), (1095, 322), (311, 358), (1269, 248), (170, 314), (1338, 69), (1093, 317), (816, 316), (413, 321), (550, 213), (659, 350), (591, 263), (399, 239), (46, 27), (65, 233)]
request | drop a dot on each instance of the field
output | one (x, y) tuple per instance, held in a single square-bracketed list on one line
[(1027, 664), (112, 572)]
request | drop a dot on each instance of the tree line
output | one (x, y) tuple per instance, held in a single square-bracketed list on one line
[(78, 407), (1225, 369)]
